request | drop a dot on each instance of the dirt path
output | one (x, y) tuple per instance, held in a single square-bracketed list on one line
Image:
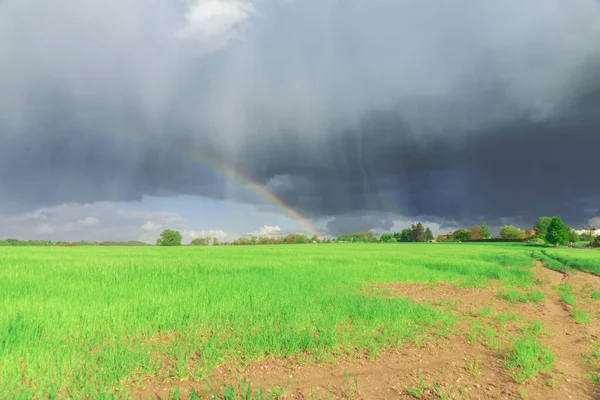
[(452, 369), (568, 339)]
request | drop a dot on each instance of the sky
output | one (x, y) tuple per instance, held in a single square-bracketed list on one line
[(227, 118)]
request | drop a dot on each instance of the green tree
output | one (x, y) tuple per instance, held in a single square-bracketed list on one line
[(200, 242), (558, 232), (366, 236), (295, 238), (387, 238), (541, 226), (461, 234), (215, 241), (314, 239), (511, 232), (573, 236), (587, 236), (486, 231), (406, 235), (418, 233), (169, 237), (428, 235), (476, 233)]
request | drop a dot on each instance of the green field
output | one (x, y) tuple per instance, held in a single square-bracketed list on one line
[(584, 260), (91, 322)]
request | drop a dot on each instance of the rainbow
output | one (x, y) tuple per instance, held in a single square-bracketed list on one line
[(253, 185)]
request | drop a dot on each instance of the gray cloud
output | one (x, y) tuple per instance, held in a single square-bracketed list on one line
[(99, 221), (462, 111), (355, 223)]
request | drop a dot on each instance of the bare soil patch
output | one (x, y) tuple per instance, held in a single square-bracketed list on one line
[(457, 368)]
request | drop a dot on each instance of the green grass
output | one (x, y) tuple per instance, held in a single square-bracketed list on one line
[(91, 322), (504, 318), (581, 316), (581, 259), (566, 294), (528, 358), (550, 262), (596, 295), (517, 296), (534, 328), (592, 361), (486, 312)]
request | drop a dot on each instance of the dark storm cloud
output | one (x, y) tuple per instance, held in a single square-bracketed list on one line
[(356, 223), (461, 112)]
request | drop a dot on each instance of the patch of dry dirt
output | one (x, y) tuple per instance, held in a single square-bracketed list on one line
[(455, 368)]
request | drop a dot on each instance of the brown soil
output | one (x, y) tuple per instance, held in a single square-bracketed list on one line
[(442, 369)]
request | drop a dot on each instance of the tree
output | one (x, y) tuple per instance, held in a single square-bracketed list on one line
[(476, 233), (428, 235), (387, 238), (558, 232), (573, 236), (541, 226), (215, 241), (366, 236), (594, 240), (406, 235), (587, 236), (314, 239), (486, 231), (418, 233), (169, 237), (511, 232), (461, 234), (200, 242), (295, 238)]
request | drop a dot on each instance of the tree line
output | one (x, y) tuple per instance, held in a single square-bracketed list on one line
[(62, 243), (551, 230)]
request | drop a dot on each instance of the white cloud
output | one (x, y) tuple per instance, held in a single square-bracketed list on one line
[(151, 226), (122, 222), (266, 230), (89, 221), (595, 222), (214, 23), (97, 221), (188, 235), (44, 229)]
